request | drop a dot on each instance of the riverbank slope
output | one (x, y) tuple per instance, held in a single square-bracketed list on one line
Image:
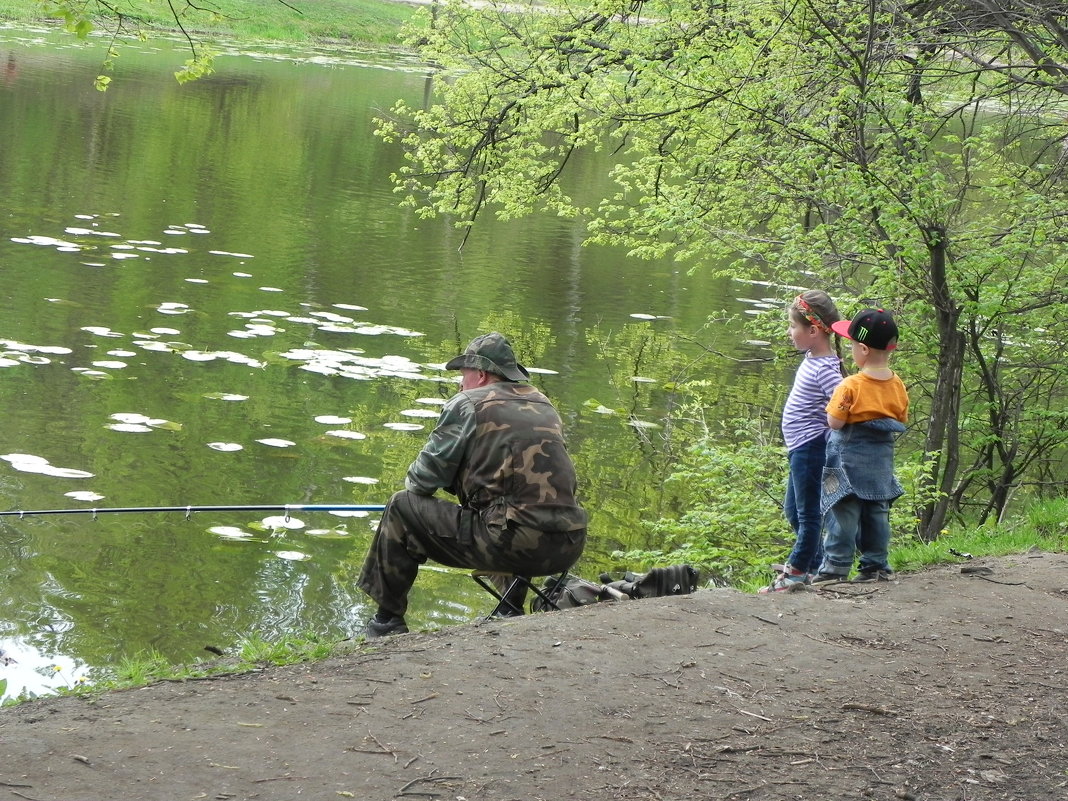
[(942, 684)]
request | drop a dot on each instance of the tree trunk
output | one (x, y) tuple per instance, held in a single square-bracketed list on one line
[(942, 444)]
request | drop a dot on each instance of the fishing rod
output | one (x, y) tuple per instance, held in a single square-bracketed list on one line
[(188, 510)]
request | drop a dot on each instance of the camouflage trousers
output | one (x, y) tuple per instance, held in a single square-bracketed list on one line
[(415, 528)]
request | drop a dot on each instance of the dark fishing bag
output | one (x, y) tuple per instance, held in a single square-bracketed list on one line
[(674, 580), (574, 591)]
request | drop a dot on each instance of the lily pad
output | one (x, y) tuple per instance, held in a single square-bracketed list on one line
[(84, 495), (343, 433), (292, 556), (328, 533), (333, 420), (274, 442), (231, 532), (282, 522)]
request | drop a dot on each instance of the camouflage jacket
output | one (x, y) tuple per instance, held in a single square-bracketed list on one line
[(500, 449)]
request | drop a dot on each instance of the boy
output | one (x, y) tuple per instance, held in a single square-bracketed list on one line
[(866, 413)]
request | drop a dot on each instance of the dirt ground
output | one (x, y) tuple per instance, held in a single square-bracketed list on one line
[(943, 684)]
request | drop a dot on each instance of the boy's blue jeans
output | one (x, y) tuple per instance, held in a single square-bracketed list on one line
[(802, 504), (863, 525)]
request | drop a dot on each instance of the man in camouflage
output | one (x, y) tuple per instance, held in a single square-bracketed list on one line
[(498, 447)]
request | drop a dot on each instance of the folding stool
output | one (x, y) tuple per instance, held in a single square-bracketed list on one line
[(506, 608)]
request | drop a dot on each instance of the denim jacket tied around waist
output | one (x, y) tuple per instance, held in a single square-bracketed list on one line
[(860, 461)]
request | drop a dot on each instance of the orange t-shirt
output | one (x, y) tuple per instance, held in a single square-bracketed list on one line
[(859, 398)]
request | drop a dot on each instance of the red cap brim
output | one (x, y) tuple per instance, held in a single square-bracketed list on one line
[(842, 328)]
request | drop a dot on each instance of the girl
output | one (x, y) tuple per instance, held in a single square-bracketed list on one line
[(804, 427)]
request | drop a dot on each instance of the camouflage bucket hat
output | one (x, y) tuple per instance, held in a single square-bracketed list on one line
[(493, 354)]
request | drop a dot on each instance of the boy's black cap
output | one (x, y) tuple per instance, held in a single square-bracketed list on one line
[(872, 327)]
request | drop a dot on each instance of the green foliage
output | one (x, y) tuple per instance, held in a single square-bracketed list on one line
[(910, 467), (876, 155), (202, 64), (728, 502)]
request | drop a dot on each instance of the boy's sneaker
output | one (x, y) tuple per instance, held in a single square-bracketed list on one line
[(789, 579), (865, 576), (824, 578)]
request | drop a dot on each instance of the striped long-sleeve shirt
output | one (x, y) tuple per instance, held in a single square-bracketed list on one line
[(804, 417)]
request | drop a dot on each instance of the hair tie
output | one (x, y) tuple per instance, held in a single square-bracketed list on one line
[(810, 314)]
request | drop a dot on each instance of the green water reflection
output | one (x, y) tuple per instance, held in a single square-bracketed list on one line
[(191, 277)]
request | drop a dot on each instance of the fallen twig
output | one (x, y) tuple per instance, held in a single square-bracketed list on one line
[(381, 748), (754, 715), (830, 642), (995, 581), (876, 710), (406, 789), (279, 779)]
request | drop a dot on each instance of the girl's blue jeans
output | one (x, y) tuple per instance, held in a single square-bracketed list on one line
[(802, 504)]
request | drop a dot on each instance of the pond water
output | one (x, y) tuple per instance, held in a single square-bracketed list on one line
[(211, 297)]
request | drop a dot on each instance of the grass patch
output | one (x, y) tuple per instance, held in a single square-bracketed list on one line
[(1042, 526), (151, 667), (289, 651)]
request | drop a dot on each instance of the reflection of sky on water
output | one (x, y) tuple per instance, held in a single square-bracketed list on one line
[(30, 672), (29, 463)]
